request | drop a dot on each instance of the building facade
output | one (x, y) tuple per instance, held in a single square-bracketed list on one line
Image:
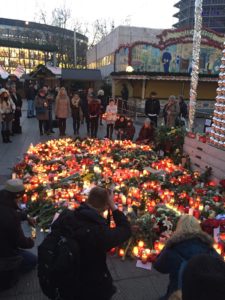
[(29, 44), (213, 14), (155, 51)]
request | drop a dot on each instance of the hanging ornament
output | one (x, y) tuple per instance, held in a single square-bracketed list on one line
[(195, 62)]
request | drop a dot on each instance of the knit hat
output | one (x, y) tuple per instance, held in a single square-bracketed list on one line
[(204, 278), (14, 185)]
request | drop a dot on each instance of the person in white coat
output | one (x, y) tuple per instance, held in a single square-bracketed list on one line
[(7, 110), (111, 116)]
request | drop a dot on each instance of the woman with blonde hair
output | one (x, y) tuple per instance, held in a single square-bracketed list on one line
[(187, 241), (62, 110), (172, 111)]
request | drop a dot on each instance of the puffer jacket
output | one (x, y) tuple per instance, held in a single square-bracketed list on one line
[(179, 249)]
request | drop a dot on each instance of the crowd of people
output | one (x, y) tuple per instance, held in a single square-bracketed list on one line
[(52, 108), (196, 271)]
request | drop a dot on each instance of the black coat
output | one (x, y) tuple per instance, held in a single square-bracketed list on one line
[(95, 239), (152, 106), (179, 250), (18, 102), (11, 233)]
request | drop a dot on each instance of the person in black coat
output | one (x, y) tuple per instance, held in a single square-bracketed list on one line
[(12, 256), (16, 98), (204, 278), (120, 128), (187, 241), (152, 108), (183, 107), (95, 239)]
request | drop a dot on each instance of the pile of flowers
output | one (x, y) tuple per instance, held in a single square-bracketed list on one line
[(152, 192)]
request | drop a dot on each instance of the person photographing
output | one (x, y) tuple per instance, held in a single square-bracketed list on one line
[(13, 258), (95, 238)]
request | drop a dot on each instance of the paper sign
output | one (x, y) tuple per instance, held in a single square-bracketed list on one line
[(147, 266), (191, 211), (208, 122), (208, 129), (55, 217), (216, 234)]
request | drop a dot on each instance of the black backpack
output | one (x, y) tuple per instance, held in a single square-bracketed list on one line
[(58, 266)]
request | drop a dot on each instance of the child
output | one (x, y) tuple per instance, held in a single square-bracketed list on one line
[(111, 116)]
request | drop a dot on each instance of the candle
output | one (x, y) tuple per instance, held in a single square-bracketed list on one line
[(144, 258), (121, 252)]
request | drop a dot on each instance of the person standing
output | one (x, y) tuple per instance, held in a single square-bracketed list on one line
[(13, 257), (172, 111), (152, 108), (101, 98), (183, 107), (94, 112), (76, 112), (30, 95), (7, 109), (125, 96), (41, 106), (62, 110), (16, 98), (95, 238), (49, 98), (111, 116)]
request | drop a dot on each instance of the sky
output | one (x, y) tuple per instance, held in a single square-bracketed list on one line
[(141, 13)]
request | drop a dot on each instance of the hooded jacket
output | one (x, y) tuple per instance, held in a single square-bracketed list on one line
[(11, 233), (181, 248), (95, 239)]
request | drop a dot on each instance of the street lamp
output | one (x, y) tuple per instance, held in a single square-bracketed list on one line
[(75, 47), (129, 69)]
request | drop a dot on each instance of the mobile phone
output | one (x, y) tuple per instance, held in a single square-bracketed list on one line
[(33, 232)]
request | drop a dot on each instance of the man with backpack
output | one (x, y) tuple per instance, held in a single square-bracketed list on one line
[(88, 236)]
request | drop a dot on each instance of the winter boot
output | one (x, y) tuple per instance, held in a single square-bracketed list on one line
[(7, 134), (4, 139)]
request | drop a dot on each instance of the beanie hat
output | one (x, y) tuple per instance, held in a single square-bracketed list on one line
[(204, 278), (14, 185)]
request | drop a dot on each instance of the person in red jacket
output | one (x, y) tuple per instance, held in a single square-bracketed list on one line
[(13, 257), (94, 109), (146, 134), (130, 130)]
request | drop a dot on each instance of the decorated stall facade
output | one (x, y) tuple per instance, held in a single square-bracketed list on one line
[(165, 67)]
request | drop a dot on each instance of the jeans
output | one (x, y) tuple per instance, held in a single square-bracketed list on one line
[(109, 131), (154, 119), (42, 125), (76, 124), (94, 126), (30, 108), (62, 126), (29, 261), (5, 126)]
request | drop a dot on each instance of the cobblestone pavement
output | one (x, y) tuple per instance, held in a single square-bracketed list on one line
[(132, 283)]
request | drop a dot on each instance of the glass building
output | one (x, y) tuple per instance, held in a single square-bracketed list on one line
[(213, 14), (30, 44)]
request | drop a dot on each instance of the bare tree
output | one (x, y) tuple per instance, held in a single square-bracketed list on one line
[(61, 16)]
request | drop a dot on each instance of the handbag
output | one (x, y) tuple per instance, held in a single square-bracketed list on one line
[(40, 110), (9, 117)]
